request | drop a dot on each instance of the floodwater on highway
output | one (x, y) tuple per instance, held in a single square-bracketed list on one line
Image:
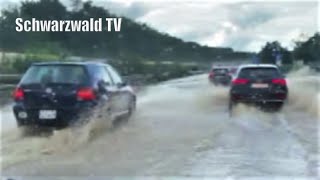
[(181, 129)]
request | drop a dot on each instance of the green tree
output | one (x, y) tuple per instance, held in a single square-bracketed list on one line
[(309, 50), (9, 38), (135, 39), (269, 52)]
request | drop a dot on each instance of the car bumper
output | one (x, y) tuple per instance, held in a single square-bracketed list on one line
[(268, 104), (261, 97), (64, 117), (262, 101)]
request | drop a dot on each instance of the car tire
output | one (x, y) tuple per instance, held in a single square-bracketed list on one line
[(231, 108), (132, 108), (278, 107), (82, 119), (26, 131)]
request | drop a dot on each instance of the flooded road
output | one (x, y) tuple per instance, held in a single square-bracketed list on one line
[(181, 129)]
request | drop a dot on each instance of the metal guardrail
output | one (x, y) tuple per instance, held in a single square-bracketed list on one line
[(10, 75), (4, 87), (9, 78), (8, 81)]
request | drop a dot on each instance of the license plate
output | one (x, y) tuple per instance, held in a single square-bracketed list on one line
[(258, 85), (47, 114)]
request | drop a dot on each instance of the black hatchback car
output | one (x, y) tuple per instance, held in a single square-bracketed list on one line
[(56, 94), (262, 85), (220, 76)]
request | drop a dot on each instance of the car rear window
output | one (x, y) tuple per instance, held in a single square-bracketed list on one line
[(65, 74), (252, 73), (233, 70), (220, 71)]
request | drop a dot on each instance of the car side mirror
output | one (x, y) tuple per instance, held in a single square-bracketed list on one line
[(122, 84), (102, 85)]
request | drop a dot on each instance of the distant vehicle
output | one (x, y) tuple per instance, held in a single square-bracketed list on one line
[(233, 71), (220, 76), (56, 94), (259, 84)]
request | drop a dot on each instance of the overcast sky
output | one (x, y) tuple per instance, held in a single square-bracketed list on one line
[(242, 25)]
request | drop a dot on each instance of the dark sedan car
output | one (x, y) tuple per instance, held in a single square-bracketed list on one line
[(55, 95), (260, 85), (220, 76)]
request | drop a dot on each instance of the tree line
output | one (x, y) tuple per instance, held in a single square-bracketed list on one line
[(307, 51), (135, 39), (136, 44)]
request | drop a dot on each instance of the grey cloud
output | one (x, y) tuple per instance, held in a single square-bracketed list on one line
[(249, 15), (132, 10), (241, 25), (251, 24), (136, 10)]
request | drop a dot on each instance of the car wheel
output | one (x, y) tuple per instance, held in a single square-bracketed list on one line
[(26, 131), (231, 108), (278, 107), (132, 107), (82, 119)]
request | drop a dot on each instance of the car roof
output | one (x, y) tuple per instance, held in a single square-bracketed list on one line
[(254, 66), (258, 65), (220, 67), (68, 63)]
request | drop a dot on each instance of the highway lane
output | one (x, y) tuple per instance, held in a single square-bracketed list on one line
[(181, 129)]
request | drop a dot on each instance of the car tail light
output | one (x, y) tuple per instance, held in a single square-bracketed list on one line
[(281, 82), (86, 94), (239, 81), (18, 94), (211, 75)]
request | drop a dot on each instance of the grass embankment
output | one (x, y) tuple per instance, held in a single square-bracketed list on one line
[(138, 71), (150, 71)]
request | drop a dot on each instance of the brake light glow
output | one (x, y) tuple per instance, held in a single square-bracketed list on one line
[(86, 94), (240, 81), (281, 82), (18, 94), (211, 75)]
